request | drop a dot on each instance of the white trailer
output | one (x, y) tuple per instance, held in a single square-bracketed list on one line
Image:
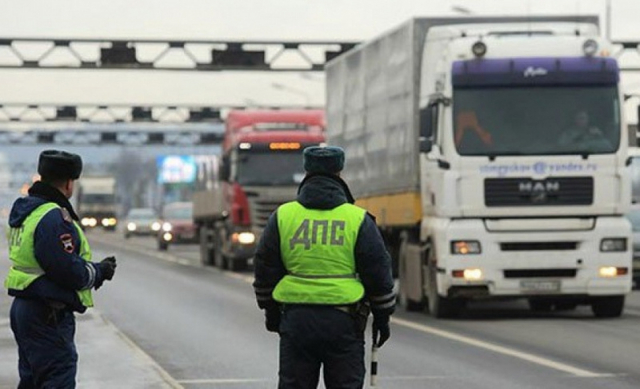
[(460, 139)]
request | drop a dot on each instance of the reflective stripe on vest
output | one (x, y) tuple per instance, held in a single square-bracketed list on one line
[(317, 248), (25, 268)]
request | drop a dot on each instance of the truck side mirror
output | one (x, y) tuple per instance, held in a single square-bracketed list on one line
[(224, 172), (428, 125), (425, 144)]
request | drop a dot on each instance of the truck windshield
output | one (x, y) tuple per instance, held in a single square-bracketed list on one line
[(270, 168), (535, 120)]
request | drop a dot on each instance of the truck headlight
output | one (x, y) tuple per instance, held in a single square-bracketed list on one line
[(464, 247), (468, 274), (613, 245), (243, 237), (612, 271)]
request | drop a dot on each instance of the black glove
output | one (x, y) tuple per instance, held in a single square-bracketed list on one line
[(380, 329), (108, 268), (272, 319)]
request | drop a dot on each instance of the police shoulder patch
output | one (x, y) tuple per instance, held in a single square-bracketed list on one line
[(66, 215), (67, 242)]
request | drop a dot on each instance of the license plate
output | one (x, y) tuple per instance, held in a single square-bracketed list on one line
[(540, 286)]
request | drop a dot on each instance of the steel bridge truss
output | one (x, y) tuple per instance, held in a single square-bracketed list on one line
[(157, 54)]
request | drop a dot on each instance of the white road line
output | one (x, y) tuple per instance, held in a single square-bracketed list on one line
[(631, 311), (224, 381), (498, 349)]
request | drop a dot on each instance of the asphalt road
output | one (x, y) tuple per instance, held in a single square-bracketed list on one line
[(204, 328)]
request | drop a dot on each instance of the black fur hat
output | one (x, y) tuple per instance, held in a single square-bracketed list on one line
[(57, 164), (328, 160)]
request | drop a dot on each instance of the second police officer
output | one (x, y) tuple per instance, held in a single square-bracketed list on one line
[(321, 262), (51, 276)]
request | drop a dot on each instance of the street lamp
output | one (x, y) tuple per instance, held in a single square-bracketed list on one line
[(298, 92)]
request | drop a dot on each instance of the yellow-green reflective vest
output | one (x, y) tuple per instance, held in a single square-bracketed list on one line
[(317, 248), (25, 268)]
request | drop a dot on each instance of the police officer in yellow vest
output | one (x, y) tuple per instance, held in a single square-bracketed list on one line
[(320, 261), (51, 276)]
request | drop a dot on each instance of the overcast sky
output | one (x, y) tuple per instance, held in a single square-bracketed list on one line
[(235, 20)]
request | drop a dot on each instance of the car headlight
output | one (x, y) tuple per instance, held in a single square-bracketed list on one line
[(89, 222), (131, 226), (465, 247), (155, 226), (608, 245), (166, 226)]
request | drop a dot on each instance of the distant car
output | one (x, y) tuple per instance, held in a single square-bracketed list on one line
[(634, 218), (141, 221), (177, 225)]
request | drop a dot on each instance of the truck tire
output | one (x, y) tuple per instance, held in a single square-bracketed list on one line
[(608, 306), (206, 255), (162, 245), (218, 257), (236, 264), (440, 307), (408, 304)]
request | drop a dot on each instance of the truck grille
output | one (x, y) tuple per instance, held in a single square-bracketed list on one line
[(538, 246), (540, 273), (261, 209), (553, 191)]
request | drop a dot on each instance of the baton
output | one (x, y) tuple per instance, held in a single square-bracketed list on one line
[(374, 364)]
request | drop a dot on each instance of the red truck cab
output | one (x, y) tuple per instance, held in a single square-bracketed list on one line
[(261, 169)]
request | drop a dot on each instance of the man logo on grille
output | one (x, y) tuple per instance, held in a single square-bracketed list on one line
[(538, 190)]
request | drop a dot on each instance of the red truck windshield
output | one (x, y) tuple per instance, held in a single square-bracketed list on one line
[(270, 168)]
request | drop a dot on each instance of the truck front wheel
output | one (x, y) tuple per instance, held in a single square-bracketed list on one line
[(218, 257), (608, 306), (440, 307), (162, 245), (206, 254), (408, 303)]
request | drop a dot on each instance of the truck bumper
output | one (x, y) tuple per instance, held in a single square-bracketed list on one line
[(534, 263)]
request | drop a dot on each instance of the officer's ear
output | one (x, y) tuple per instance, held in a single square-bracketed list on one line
[(68, 188)]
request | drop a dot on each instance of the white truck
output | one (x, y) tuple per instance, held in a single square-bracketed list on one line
[(96, 202), (493, 152)]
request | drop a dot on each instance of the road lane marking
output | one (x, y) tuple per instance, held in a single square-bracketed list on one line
[(498, 349), (224, 381), (631, 311)]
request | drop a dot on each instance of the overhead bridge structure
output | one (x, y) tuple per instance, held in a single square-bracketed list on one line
[(85, 123)]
